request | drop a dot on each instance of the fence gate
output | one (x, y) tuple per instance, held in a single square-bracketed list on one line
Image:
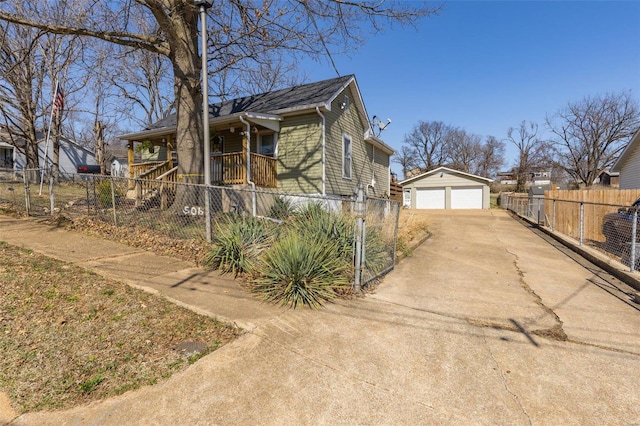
[(376, 233)]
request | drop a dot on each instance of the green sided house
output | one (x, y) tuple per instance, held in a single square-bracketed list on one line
[(310, 139)]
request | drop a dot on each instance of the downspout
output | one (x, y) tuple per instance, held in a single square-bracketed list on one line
[(253, 185), (324, 153)]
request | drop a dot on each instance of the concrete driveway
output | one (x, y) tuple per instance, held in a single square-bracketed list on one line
[(487, 323)]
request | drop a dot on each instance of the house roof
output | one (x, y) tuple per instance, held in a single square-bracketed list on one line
[(448, 170), (42, 139), (628, 150), (608, 171), (269, 105)]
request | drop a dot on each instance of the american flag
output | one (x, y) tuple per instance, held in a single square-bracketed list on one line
[(58, 102)]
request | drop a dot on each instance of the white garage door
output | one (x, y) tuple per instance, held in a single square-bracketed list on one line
[(430, 198), (466, 198)]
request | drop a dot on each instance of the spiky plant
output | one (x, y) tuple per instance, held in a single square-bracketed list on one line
[(320, 224), (282, 208), (298, 270), (237, 243)]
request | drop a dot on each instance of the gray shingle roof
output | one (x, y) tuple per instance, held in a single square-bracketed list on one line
[(272, 102)]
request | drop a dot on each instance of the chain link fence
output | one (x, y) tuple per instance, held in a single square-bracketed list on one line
[(380, 236), (180, 211), (611, 229), (34, 193)]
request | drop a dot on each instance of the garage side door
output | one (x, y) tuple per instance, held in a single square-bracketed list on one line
[(430, 198), (466, 198)]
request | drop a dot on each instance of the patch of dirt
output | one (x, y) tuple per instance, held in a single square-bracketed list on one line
[(555, 333)]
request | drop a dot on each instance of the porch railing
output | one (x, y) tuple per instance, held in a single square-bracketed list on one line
[(264, 170), (228, 169), (138, 169), (231, 169), (145, 182)]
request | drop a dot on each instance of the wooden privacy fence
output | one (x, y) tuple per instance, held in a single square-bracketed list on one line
[(562, 209), (395, 192)]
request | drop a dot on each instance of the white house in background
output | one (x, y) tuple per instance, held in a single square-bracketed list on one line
[(6, 156), (628, 164), (119, 167), (445, 188), (70, 157)]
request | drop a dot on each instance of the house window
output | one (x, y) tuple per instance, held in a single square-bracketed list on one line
[(346, 156), (267, 144)]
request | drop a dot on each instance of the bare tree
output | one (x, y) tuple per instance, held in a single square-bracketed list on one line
[(591, 133), (239, 31), (531, 150), (406, 158), (30, 62), (463, 150), (490, 158), (426, 145), (21, 85)]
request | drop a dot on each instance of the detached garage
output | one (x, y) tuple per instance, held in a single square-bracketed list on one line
[(445, 188)]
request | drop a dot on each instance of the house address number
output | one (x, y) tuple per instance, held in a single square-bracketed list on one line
[(193, 211)]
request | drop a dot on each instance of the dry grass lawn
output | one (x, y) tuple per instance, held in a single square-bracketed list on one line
[(69, 336)]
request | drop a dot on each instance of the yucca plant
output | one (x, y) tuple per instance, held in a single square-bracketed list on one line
[(323, 225), (237, 243), (298, 270), (282, 208)]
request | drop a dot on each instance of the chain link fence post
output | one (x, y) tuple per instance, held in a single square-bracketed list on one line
[(52, 204), (581, 223), (27, 195), (359, 210), (634, 230), (113, 203)]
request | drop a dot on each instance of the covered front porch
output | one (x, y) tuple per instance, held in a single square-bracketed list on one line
[(243, 151)]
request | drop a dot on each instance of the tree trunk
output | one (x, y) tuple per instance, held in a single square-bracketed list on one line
[(99, 130), (32, 162), (189, 128)]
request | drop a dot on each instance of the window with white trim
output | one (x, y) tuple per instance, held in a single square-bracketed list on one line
[(347, 158), (267, 144)]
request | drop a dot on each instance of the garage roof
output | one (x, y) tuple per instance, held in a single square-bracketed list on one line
[(448, 170)]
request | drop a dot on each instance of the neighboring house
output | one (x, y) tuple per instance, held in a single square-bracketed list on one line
[(540, 177), (445, 188), (608, 178), (6, 156), (507, 178), (119, 167), (310, 139), (70, 155), (535, 177), (628, 164)]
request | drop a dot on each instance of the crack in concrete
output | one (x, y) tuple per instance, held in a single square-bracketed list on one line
[(505, 382), (556, 332)]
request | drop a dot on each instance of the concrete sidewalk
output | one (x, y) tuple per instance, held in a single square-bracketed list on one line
[(486, 324), (204, 291)]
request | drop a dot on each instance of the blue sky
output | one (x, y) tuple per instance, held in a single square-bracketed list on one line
[(486, 66)]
